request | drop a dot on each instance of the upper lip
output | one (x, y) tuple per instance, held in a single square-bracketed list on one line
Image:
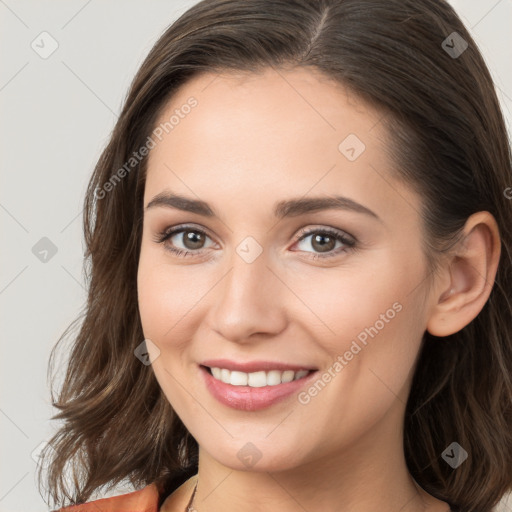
[(254, 366)]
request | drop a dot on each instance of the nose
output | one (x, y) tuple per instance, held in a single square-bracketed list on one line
[(248, 301)]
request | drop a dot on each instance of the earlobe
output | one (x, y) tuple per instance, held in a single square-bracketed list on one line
[(472, 271)]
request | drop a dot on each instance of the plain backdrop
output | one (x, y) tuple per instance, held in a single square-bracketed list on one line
[(57, 113)]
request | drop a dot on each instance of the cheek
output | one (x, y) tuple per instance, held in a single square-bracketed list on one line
[(163, 304), (371, 366), (371, 323), (166, 294), (152, 297), (352, 303)]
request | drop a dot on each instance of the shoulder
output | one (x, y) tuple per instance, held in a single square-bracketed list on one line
[(144, 500)]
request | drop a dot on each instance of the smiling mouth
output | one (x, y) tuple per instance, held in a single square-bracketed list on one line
[(257, 379)]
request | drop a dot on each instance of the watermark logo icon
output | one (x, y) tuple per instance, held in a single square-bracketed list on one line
[(454, 455), (44, 250), (352, 147), (44, 45), (249, 455), (454, 45), (249, 249), (147, 352)]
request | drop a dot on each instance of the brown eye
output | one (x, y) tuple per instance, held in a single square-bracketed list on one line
[(323, 242), (192, 239)]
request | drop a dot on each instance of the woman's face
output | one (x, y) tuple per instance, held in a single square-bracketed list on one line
[(276, 283)]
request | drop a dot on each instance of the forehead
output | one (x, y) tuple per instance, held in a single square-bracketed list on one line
[(280, 106), (272, 134)]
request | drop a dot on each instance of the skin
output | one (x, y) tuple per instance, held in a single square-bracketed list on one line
[(254, 140)]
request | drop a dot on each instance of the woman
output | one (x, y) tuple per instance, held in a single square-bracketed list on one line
[(299, 238)]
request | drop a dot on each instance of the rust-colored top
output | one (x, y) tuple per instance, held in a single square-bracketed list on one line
[(144, 500)]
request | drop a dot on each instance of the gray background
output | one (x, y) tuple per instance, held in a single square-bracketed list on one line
[(57, 114)]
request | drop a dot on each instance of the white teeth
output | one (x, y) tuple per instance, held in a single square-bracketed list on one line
[(225, 375), (257, 379), (273, 378), (287, 376), (238, 379)]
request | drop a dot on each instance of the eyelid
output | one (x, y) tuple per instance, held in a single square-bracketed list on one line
[(183, 227), (303, 232), (170, 231)]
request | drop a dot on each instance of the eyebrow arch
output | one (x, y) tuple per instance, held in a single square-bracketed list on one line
[(288, 208)]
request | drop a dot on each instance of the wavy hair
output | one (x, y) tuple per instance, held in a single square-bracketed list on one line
[(448, 140)]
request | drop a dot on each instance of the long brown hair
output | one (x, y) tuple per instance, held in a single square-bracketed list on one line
[(448, 139)]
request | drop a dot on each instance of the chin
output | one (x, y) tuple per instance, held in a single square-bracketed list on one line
[(256, 456)]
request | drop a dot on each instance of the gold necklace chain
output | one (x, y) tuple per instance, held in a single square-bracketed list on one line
[(190, 505)]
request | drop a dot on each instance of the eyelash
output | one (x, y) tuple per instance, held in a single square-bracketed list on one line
[(350, 243)]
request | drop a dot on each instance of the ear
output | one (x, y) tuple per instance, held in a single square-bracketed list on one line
[(468, 277)]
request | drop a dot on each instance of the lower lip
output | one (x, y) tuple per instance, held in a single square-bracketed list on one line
[(246, 398)]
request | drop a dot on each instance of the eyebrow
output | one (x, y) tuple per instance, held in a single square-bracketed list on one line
[(288, 208)]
